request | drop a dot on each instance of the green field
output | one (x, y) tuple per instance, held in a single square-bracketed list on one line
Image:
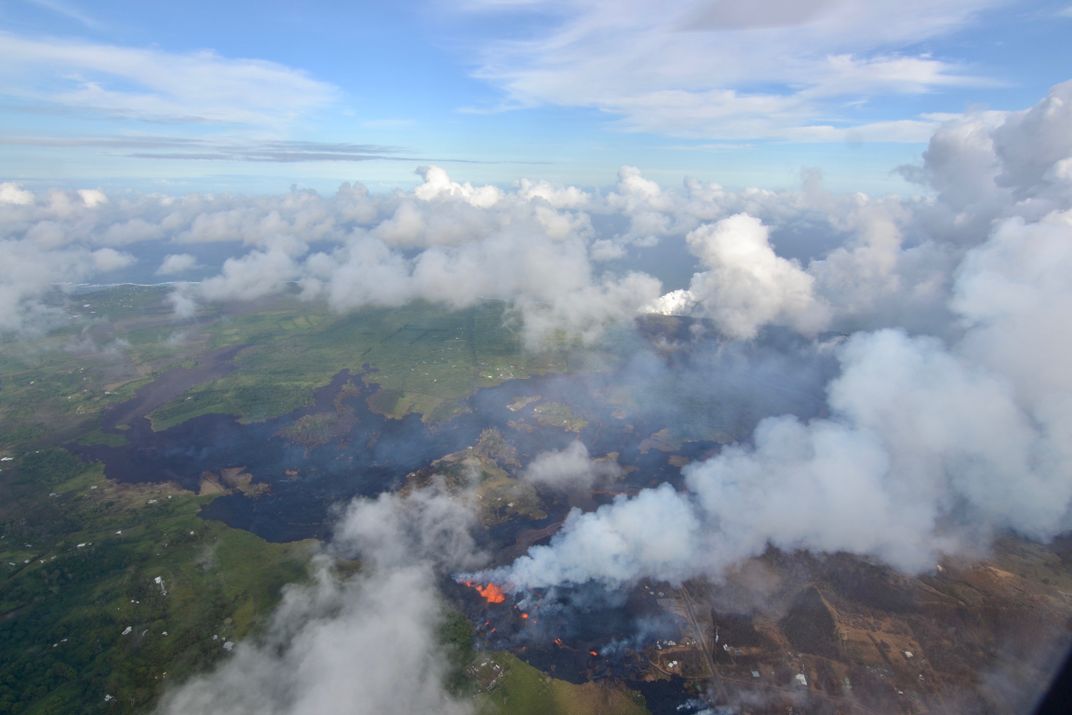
[(524, 690), (53, 387), (426, 359), (79, 556)]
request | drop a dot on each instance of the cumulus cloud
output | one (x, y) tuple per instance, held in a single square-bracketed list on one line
[(92, 197), (568, 197), (11, 193), (570, 262), (525, 256), (567, 260), (363, 644), (438, 184), (746, 284), (254, 275), (1034, 146), (109, 259), (176, 263), (992, 165)]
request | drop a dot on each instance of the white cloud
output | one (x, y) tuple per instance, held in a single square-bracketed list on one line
[(1013, 293), (567, 260), (254, 275), (109, 259), (569, 197), (11, 193), (676, 302), (176, 263), (744, 284), (92, 197), (688, 68), (437, 184), (30, 271), (1031, 143), (153, 84)]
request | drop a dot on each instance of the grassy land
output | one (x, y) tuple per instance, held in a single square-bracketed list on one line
[(558, 414), (78, 566), (48, 390), (426, 358), (524, 690), (54, 386)]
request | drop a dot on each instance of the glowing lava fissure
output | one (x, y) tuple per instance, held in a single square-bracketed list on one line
[(491, 593)]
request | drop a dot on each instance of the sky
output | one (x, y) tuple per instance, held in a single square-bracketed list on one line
[(254, 97)]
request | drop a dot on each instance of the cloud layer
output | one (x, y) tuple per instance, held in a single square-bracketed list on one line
[(691, 68), (571, 261)]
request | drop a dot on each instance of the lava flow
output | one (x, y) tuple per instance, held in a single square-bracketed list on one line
[(491, 593)]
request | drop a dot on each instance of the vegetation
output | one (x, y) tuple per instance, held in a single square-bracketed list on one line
[(426, 358), (82, 614), (53, 387), (524, 690), (558, 414)]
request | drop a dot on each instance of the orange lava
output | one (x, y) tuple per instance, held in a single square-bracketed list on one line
[(491, 592), (524, 616), (594, 653), (558, 642)]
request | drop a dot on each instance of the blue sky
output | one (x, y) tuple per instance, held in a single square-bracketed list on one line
[(256, 96)]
